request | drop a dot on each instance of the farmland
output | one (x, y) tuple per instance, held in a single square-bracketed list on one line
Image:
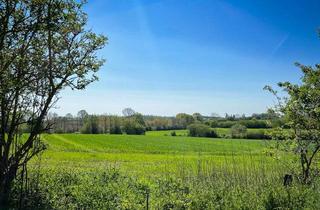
[(146, 152), (160, 172)]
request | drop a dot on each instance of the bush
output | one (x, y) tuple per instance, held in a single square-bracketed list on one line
[(133, 128), (255, 123), (201, 130), (248, 123), (238, 131), (173, 133), (260, 134)]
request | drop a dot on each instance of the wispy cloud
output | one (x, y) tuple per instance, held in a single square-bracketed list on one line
[(280, 44)]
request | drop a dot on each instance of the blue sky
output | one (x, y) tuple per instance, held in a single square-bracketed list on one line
[(207, 56)]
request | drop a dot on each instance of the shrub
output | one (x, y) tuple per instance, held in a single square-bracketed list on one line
[(201, 130), (133, 128), (238, 131), (255, 123), (260, 134), (173, 133)]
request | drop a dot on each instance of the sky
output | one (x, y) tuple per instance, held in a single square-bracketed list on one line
[(165, 57)]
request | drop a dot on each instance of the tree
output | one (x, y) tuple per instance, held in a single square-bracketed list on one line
[(184, 119), (128, 112), (134, 124), (301, 112), (138, 118), (91, 125), (69, 116), (44, 48), (131, 127), (115, 125), (238, 131), (82, 114), (201, 130), (197, 117)]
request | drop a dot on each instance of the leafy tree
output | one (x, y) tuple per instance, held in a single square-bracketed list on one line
[(82, 114), (131, 127), (197, 117), (184, 119), (115, 125), (138, 118), (91, 125), (44, 48), (134, 124), (201, 130), (238, 131), (301, 111)]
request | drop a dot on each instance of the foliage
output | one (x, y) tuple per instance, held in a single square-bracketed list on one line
[(44, 48), (134, 124), (258, 134), (131, 127), (252, 123), (238, 131), (301, 110), (197, 117), (201, 130), (184, 119), (91, 125)]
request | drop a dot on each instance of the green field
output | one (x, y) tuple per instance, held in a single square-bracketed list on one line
[(79, 171), (147, 154)]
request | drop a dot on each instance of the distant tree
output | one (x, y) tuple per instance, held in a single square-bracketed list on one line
[(184, 119), (82, 114), (201, 130), (231, 117), (69, 116), (131, 127), (138, 118), (115, 125), (197, 117), (45, 47), (301, 111), (128, 112), (238, 131), (91, 125), (134, 124)]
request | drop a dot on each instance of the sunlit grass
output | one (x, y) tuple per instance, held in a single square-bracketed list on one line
[(153, 155)]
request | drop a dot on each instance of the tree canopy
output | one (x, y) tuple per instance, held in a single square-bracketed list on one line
[(301, 111), (44, 48)]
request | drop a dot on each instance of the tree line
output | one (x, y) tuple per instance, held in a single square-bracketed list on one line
[(132, 122)]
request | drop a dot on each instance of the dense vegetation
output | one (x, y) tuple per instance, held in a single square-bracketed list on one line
[(259, 125)]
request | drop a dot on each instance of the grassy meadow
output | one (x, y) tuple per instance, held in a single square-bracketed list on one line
[(155, 171), (151, 154)]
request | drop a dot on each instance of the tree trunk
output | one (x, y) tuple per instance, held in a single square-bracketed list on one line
[(4, 192), (6, 181)]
